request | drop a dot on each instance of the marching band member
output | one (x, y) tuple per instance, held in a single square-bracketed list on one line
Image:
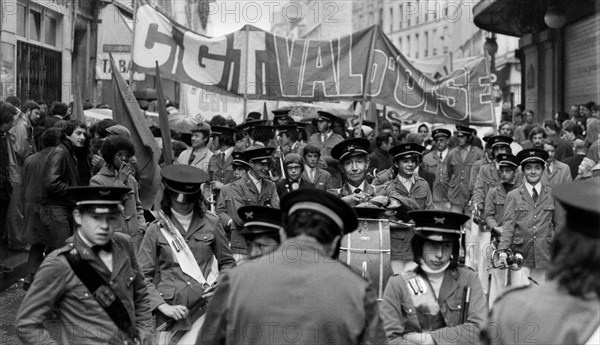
[(187, 249), (331, 302), (410, 191), (325, 139), (530, 220), (294, 166), (224, 205), (435, 162), (289, 137), (254, 188), (566, 310), (494, 212), (94, 282), (261, 230), (440, 301), (220, 168), (353, 157)]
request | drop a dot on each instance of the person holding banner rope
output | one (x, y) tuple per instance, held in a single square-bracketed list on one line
[(182, 255)]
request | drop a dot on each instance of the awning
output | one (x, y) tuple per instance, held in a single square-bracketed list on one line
[(519, 17)]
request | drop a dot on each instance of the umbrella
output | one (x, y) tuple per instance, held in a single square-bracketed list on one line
[(182, 123)]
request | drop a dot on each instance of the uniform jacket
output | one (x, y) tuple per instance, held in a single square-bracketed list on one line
[(379, 160), (322, 179), (285, 186), (475, 171), (544, 315), (433, 164), (60, 172), (560, 174), (82, 319), (528, 227), (221, 171), (459, 174), (206, 238), (349, 190), (23, 138), (33, 183), (200, 160), (326, 145), (419, 192), (243, 145), (331, 303), (241, 193), (494, 205), (297, 147), (400, 315), (132, 221)]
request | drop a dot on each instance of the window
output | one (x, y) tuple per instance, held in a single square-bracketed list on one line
[(400, 16), (35, 25), (21, 20), (426, 44), (49, 30), (407, 45), (416, 46), (391, 19), (400, 43), (381, 18)]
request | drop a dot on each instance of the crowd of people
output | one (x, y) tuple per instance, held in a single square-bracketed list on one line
[(238, 245)]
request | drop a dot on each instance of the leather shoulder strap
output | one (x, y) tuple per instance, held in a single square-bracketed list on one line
[(103, 294)]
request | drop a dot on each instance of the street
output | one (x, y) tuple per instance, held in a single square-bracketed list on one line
[(10, 299)]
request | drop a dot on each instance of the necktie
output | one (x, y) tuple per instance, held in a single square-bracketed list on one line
[(192, 157), (107, 248), (222, 158), (357, 191), (549, 169), (534, 194), (312, 175), (441, 156)]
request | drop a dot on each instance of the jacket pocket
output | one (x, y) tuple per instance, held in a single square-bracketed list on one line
[(82, 293), (453, 311), (548, 208), (167, 294), (408, 310), (129, 277)]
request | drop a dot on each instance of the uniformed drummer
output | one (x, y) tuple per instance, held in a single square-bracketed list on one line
[(567, 309), (353, 158), (261, 229), (440, 301), (186, 249), (94, 282)]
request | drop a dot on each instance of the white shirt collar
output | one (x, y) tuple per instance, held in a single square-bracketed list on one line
[(406, 180), (529, 187), (228, 152), (362, 186)]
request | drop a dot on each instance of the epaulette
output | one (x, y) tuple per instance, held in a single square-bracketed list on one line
[(66, 249)]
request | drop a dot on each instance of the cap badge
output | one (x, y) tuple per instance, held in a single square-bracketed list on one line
[(249, 215), (189, 187), (350, 148), (532, 153), (439, 220), (104, 192)]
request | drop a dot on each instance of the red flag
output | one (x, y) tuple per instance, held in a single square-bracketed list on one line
[(77, 102), (127, 112), (163, 120)]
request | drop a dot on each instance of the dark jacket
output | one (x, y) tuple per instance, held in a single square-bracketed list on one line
[(331, 303), (322, 180), (379, 160), (33, 184), (60, 172), (57, 288), (573, 163), (285, 186)]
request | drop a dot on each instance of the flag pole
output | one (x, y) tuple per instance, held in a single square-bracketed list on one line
[(135, 7), (367, 80), (247, 29), (163, 118)]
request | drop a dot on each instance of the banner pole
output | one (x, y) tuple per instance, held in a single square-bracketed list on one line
[(367, 80), (135, 7), (247, 29)]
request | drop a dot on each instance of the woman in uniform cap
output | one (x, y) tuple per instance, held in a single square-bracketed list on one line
[(439, 301), (186, 247)]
